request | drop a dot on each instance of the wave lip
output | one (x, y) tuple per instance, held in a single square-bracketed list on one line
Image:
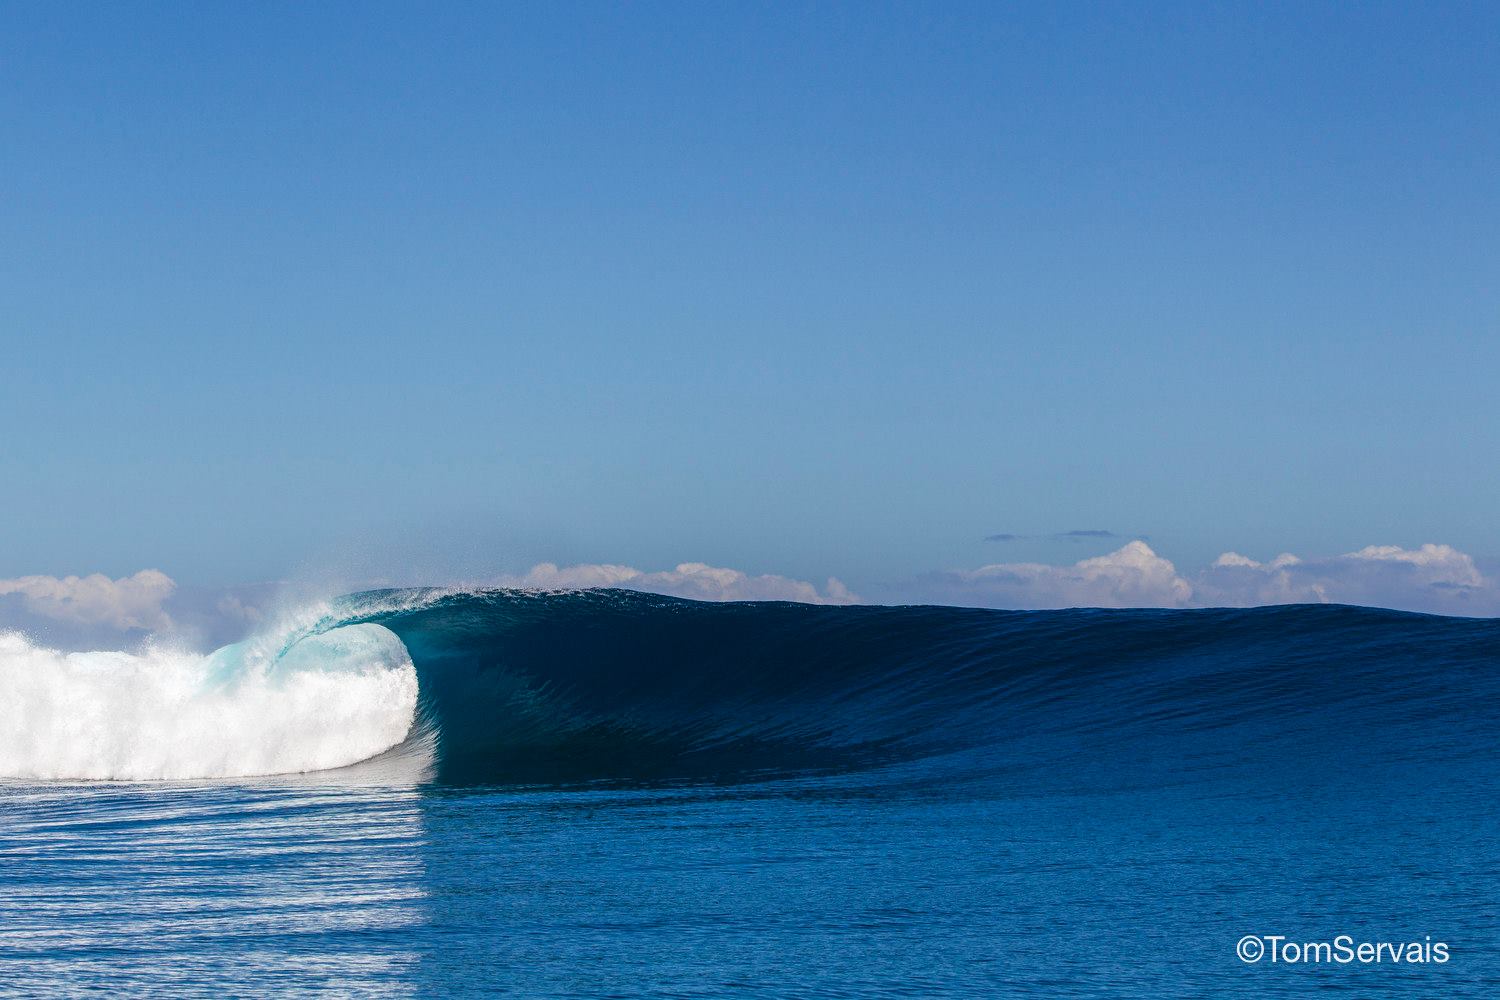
[(325, 701)]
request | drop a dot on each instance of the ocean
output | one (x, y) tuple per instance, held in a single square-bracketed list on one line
[(613, 794)]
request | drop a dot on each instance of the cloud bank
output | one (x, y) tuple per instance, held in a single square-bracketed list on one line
[(131, 602), (697, 581), (1130, 577), (1433, 578), (1436, 578)]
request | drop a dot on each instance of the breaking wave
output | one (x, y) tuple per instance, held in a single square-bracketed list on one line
[(518, 687)]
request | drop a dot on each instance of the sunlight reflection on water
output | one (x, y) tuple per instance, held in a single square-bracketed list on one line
[(139, 888)]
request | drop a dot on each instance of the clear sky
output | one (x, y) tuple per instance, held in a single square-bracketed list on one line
[(830, 289)]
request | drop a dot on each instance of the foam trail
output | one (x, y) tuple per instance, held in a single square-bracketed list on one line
[(325, 701)]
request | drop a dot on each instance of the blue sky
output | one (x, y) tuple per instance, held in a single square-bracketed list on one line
[(807, 290)]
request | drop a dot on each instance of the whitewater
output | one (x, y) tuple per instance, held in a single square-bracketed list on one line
[(326, 701)]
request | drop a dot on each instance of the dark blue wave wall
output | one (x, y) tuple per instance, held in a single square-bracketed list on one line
[(620, 686)]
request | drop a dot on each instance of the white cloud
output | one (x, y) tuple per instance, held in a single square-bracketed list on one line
[(231, 606), (697, 581), (129, 602), (1132, 576), (1435, 578), (1432, 578)]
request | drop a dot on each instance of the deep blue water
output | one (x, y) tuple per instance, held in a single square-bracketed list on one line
[(638, 796)]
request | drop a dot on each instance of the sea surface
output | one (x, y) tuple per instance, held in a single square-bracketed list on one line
[(609, 794)]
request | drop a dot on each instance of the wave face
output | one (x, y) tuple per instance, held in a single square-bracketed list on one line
[(325, 700), (611, 685)]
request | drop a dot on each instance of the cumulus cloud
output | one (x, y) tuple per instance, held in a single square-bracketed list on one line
[(131, 602), (1131, 576), (697, 581), (1436, 578), (1433, 578)]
